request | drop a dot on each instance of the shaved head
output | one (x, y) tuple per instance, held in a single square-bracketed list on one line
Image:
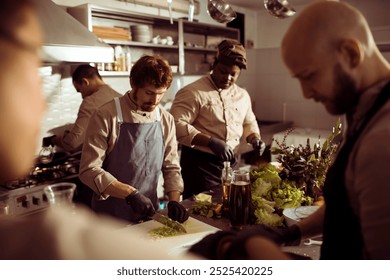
[(329, 40), (328, 20)]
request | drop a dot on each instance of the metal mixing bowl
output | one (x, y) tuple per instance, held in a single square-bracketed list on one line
[(279, 8), (220, 11)]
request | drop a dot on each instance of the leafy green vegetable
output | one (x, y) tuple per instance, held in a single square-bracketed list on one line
[(264, 179), (267, 218), (204, 208), (270, 193), (204, 205), (288, 196)]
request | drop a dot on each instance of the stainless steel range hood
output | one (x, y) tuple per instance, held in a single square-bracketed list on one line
[(66, 39)]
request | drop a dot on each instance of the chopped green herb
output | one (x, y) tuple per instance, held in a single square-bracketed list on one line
[(163, 231)]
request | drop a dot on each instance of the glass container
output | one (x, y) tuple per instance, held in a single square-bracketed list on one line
[(239, 199), (60, 194), (227, 176)]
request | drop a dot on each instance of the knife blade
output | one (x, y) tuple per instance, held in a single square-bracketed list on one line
[(168, 222)]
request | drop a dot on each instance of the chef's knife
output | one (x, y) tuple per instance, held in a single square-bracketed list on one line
[(168, 222)]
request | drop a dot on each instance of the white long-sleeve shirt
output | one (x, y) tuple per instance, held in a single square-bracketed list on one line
[(73, 139), (200, 108)]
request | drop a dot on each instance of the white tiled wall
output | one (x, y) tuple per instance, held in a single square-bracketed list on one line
[(62, 101)]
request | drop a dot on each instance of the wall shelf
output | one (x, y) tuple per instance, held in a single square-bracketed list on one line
[(140, 44), (194, 43)]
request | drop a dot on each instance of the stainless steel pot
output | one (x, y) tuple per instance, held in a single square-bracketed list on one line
[(220, 11)]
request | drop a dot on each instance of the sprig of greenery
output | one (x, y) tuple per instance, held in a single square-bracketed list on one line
[(305, 165)]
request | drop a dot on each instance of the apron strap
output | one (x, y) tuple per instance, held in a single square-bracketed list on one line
[(118, 110)]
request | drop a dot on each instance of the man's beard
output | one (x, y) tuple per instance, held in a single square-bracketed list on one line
[(345, 93), (146, 107)]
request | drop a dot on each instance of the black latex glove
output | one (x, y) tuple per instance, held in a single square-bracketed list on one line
[(140, 204), (212, 246), (47, 141), (258, 145), (280, 235), (219, 147), (177, 212)]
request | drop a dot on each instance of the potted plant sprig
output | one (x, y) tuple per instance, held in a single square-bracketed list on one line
[(307, 165)]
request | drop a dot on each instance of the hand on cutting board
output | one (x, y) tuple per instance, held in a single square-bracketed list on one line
[(140, 204), (177, 212)]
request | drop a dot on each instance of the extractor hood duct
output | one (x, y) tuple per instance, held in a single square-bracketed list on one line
[(66, 39)]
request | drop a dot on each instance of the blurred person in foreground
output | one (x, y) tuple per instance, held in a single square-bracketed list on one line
[(129, 142), (343, 69), (55, 233), (212, 114), (94, 92)]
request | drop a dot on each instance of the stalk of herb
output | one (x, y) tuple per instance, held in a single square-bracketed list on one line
[(305, 165)]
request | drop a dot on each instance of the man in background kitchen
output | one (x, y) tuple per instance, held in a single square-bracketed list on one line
[(130, 141), (94, 92), (55, 233), (212, 114), (345, 71)]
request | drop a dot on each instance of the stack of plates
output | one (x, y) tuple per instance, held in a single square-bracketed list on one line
[(140, 33)]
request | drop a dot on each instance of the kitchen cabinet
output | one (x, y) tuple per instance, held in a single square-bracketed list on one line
[(194, 43)]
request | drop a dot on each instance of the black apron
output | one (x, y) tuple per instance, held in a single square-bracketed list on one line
[(201, 171), (342, 235), (137, 160)]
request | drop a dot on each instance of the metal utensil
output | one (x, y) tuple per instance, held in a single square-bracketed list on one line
[(279, 8), (168, 222), (191, 10), (170, 10), (220, 11), (312, 242)]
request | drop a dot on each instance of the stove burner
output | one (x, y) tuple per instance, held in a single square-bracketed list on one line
[(22, 183), (47, 173)]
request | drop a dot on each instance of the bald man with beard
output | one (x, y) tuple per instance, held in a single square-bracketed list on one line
[(329, 48)]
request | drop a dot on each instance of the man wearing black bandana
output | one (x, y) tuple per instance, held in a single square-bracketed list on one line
[(212, 114)]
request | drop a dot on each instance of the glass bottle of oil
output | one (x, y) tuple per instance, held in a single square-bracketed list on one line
[(227, 176)]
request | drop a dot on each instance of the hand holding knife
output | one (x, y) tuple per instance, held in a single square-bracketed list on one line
[(177, 215)]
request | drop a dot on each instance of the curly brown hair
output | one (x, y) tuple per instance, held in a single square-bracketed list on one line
[(152, 70)]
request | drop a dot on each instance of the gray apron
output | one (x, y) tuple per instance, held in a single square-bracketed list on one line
[(136, 160)]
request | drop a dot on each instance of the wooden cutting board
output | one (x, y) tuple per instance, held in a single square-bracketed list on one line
[(174, 245)]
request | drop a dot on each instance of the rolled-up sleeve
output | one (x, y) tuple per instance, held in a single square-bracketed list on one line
[(95, 148), (185, 109), (171, 166)]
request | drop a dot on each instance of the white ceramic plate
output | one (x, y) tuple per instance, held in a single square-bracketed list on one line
[(294, 215)]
